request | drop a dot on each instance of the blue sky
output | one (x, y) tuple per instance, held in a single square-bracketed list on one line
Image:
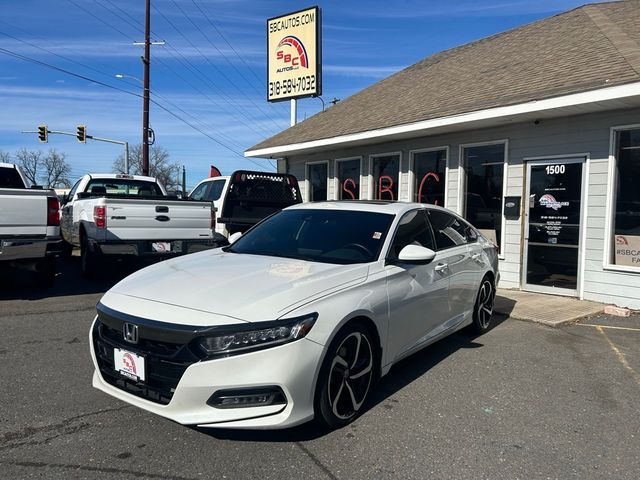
[(211, 72)]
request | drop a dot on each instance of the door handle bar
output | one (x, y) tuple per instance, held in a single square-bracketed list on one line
[(441, 267)]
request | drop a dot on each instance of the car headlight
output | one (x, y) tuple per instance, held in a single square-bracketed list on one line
[(255, 336)]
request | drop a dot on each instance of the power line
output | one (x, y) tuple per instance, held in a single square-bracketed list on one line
[(215, 27), (202, 75), (132, 23), (124, 12), (89, 12), (212, 100), (203, 133), (77, 75), (215, 47), (224, 75), (57, 55), (162, 107)]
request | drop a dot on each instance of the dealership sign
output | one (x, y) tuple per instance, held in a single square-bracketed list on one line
[(294, 55)]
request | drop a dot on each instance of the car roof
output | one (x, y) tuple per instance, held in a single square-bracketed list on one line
[(379, 206)]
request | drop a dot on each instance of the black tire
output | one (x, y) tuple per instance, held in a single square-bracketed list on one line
[(45, 272), (88, 260), (483, 308), (347, 376)]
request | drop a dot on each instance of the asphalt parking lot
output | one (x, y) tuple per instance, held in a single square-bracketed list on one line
[(523, 401)]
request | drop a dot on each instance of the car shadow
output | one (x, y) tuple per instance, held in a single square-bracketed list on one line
[(401, 374), (20, 283)]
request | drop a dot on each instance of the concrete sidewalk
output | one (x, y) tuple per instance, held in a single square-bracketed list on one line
[(550, 310)]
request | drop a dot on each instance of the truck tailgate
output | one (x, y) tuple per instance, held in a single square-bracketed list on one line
[(23, 212), (158, 219)]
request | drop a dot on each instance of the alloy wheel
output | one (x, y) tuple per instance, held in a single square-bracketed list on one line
[(350, 375), (485, 304)]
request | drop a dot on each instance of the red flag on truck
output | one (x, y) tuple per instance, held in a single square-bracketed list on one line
[(214, 172)]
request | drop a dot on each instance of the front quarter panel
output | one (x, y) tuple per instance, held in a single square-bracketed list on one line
[(366, 299)]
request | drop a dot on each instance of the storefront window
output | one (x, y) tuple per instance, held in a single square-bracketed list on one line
[(348, 174), (626, 228), (385, 171), (484, 173), (317, 175), (429, 169)]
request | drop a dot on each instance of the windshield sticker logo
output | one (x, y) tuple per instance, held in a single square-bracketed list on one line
[(550, 201)]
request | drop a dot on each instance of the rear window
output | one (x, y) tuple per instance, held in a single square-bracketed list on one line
[(120, 186), (10, 178), (264, 187), (216, 190)]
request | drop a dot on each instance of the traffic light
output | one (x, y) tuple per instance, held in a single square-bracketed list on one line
[(81, 133), (42, 133)]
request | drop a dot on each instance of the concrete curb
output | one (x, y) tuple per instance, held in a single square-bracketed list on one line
[(550, 310)]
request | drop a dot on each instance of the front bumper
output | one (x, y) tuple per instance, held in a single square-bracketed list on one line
[(293, 367)]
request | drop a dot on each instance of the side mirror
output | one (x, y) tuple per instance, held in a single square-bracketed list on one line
[(416, 254), (234, 236)]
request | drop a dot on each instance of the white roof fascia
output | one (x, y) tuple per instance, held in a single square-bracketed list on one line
[(600, 95)]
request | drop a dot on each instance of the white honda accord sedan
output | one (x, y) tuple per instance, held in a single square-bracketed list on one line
[(297, 318)]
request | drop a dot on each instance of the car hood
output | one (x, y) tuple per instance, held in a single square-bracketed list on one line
[(218, 287)]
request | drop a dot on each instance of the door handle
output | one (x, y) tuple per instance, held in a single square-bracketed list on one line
[(476, 258), (441, 268)]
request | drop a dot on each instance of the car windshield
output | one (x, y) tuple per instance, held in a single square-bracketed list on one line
[(327, 236)]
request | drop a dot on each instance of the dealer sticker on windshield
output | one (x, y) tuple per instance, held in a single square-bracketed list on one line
[(129, 364)]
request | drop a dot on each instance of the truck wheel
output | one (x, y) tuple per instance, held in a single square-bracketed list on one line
[(88, 259), (45, 272)]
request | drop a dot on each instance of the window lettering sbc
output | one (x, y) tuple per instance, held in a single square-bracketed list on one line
[(345, 187), (429, 175), (385, 188)]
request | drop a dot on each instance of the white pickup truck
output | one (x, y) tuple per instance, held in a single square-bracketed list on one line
[(29, 225), (245, 197), (127, 215)]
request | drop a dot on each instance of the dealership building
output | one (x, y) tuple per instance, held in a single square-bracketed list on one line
[(533, 135)]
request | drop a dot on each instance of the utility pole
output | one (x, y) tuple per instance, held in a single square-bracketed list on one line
[(145, 106), (184, 182)]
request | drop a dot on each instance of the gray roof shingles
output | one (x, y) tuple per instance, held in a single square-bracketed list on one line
[(583, 49)]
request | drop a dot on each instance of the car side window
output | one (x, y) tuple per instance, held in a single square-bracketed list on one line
[(449, 230), (216, 190), (199, 192), (72, 192), (413, 229)]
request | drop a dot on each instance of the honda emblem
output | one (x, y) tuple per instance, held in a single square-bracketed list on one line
[(130, 332)]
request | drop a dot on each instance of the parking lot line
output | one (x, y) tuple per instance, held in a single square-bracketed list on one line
[(620, 355), (608, 326)]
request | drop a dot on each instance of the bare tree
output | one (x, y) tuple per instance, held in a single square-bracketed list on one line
[(160, 166), (56, 169), (5, 157), (30, 162)]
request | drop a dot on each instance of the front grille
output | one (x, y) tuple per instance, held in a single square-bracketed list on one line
[(165, 362)]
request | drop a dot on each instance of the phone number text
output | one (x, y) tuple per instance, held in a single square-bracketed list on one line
[(305, 84)]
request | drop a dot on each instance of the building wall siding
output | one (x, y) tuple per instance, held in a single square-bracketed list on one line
[(585, 134)]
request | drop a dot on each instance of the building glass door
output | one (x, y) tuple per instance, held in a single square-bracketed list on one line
[(553, 212)]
